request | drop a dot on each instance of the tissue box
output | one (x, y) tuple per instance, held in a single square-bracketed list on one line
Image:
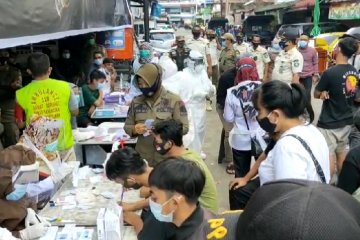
[(110, 223)]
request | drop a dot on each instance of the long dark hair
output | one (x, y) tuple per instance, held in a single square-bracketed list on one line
[(291, 99)]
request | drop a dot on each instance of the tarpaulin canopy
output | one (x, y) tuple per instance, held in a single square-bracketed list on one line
[(33, 21)]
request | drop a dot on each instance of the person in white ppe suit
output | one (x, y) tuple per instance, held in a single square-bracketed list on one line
[(194, 86)]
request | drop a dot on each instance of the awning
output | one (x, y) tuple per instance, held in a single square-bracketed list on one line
[(33, 21), (274, 7), (344, 10)]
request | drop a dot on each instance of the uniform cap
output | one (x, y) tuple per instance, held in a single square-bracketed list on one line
[(228, 36), (195, 54), (239, 35), (150, 73), (180, 38), (299, 209), (210, 32)]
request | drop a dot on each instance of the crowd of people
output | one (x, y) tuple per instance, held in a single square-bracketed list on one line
[(266, 116)]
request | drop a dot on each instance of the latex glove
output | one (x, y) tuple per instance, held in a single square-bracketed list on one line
[(33, 219), (34, 231), (6, 234)]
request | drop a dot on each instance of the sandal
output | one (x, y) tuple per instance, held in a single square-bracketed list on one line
[(230, 169)]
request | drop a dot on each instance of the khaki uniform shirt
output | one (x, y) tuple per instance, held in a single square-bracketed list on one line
[(287, 64), (200, 45), (262, 57), (242, 48), (213, 52), (166, 106), (227, 59)]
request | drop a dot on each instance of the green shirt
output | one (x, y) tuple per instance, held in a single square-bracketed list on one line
[(208, 198), (90, 96)]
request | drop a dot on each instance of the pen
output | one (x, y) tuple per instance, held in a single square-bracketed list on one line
[(122, 195), (37, 218)]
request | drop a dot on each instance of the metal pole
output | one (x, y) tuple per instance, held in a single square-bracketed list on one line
[(146, 20)]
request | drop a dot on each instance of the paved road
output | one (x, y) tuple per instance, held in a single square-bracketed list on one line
[(212, 141)]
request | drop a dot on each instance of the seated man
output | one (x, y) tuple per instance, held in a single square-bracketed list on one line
[(169, 142), (126, 165), (176, 185)]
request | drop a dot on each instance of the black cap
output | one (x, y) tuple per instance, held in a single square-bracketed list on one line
[(302, 210)]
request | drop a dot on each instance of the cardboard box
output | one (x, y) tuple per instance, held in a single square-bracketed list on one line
[(114, 223)]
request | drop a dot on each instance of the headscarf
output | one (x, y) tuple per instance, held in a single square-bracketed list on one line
[(246, 70), (145, 53)]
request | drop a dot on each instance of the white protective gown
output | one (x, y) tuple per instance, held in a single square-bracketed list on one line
[(193, 88)]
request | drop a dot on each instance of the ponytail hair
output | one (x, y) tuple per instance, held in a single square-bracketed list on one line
[(291, 99)]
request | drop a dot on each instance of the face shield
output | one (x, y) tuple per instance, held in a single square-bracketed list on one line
[(195, 64)]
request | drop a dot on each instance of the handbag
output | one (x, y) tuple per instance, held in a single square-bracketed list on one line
[(256, 149), (318, 168)]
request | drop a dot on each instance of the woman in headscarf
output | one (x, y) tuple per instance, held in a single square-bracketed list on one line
[(240, 111)]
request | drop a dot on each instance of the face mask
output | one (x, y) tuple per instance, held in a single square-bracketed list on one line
[(92, 41), (144, 53), (240, 40), (255, 45), (276, 46), (282, 44), (17, 194), (150, 91), (98, 61), (156, 209), (267, 125), (303, 44), (66, 55), (100, 86), (196, 35), (78, 99), (160, 148), (51, 147), (199, 68), (223, 44)]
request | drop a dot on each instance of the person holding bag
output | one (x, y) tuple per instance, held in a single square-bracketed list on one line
[(246, 136)]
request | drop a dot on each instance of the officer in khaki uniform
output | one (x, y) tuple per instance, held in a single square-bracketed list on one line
[(261, 57), (181, 53), (228, 55), (289, 63), (240, 45), (155, 103)]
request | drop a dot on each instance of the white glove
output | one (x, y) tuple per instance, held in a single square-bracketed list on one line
[(34, 231), (33, 219), (6, 234)]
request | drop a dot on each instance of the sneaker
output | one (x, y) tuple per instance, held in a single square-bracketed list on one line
[(203, 155), (209, 108)]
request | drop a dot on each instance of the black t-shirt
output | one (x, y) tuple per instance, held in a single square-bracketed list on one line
[(341, 82), (226, 81), (349, 178)]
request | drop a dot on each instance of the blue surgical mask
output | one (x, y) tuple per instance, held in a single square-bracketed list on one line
[(156, 210), (223, 44), (303, 44), (276, 46), (144, 53), (52, 147), (98, 61), (17, 194), (101, 86)]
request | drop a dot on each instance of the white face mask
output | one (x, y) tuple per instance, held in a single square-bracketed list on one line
[(98, 61), (66, 55)]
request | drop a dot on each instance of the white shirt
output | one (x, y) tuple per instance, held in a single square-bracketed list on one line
[(289, 159), (214, 52), (287, 64), (262, 58), (240, 136), (356, 64), (242, 48)]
